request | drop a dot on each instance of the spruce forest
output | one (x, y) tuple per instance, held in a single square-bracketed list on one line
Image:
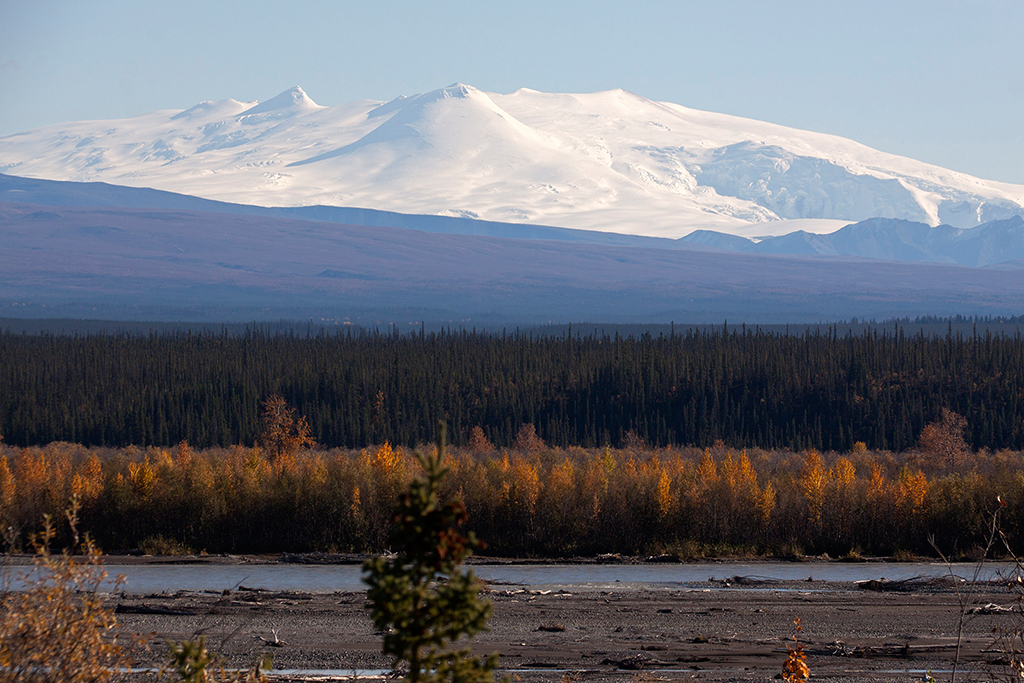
[(746, 389), (696, 444)]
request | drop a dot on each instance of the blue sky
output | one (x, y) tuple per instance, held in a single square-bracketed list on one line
[(937, 80)]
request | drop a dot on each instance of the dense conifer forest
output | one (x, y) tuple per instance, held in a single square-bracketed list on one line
[(745, 388)]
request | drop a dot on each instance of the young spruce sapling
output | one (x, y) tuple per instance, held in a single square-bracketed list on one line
[(420, 597)]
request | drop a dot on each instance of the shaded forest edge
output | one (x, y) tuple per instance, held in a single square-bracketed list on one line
[(748, 388), (532, 501)]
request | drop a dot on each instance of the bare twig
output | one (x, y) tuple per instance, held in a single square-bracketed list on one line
[(965, 600)]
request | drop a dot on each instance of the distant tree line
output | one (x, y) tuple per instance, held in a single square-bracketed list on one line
[(746, 388)]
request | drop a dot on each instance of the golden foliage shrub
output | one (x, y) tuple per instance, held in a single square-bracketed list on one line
[(57, 628)]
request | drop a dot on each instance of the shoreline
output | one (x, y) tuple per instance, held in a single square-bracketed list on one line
[(316, 558)]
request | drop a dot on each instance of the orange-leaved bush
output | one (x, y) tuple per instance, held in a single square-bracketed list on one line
[(57, 628)]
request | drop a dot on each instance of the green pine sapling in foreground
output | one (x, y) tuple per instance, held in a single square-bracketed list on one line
[(420, 598)]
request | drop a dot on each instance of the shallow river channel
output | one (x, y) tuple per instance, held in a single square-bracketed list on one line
[(146, 579)]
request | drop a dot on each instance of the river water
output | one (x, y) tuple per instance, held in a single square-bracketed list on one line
[(146, 579)]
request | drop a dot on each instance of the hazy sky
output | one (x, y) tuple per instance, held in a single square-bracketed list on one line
[(937, 80)]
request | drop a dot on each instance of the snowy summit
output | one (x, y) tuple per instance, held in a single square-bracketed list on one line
[(611, 161)]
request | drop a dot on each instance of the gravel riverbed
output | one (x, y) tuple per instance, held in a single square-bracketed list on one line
[(724, 631)]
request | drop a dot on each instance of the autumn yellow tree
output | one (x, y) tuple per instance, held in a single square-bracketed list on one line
[(281, 435), (527, 439), (478, 442), (813, 479), (944, 438)]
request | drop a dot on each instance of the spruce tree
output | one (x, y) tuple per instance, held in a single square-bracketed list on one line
[(421, 598)]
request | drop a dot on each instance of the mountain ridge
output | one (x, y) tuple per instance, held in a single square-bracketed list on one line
[(175, 264), (18, 190), (892, 239), (986, 245)]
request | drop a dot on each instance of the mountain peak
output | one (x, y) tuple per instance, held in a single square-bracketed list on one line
[(455, 91), (294, 99), (458, 90)]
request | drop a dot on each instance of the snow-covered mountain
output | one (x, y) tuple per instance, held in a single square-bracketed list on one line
[(609, 161)]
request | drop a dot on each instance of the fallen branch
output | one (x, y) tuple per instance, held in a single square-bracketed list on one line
[(276, 642), (146, 609)]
